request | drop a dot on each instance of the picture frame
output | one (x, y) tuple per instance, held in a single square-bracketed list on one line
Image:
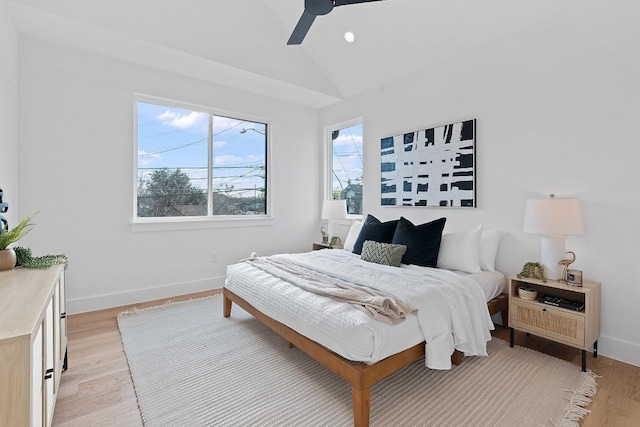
[(430, 167)]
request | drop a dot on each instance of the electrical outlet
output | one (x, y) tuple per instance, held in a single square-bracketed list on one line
[(214, 257)]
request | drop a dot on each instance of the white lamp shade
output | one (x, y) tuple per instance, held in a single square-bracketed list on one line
[(334, 209), (554, 219), (559, 217)]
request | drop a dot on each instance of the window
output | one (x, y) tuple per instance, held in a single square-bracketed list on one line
[(344, 171), (195, 163)]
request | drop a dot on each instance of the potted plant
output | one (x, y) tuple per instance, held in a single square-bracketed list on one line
[(7, 237)]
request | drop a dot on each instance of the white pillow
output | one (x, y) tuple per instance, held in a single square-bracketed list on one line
[(489, 249), (354, 232), (461, 250)]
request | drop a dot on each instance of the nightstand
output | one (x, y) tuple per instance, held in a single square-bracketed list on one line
[(320, 245), (579, 329)]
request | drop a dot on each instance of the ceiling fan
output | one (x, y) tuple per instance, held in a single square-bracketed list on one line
[(313, 8)]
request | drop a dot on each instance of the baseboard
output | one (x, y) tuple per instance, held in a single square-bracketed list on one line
[(99, 302), (619, 350), (612, 348)]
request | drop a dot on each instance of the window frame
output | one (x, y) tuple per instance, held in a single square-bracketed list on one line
[(208, 221), (328, 159)]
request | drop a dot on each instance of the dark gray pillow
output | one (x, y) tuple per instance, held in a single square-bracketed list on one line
[(422, 241), (382, 253), (373, 229)]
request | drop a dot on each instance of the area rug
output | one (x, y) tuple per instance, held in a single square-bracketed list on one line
[(193, 367)]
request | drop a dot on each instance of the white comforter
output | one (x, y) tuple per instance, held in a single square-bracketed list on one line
[(452, 311)]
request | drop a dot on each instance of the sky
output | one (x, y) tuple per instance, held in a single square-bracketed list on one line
[(178, 138), (347, 158)]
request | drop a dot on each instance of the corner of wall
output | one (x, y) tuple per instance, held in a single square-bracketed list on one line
[(619, 350)]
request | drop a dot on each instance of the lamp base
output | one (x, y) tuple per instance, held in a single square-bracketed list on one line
[(332, 228), (552, 250)]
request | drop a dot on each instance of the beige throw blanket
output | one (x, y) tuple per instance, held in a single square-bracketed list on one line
[(379, 305)]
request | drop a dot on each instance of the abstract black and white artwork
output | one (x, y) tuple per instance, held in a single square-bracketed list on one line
[(430, 167)]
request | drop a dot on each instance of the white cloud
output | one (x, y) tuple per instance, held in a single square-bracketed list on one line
[(252, 158), (145, 158), (219, 144), (227, 160), (348, 139), (221, 124), (184, 121)]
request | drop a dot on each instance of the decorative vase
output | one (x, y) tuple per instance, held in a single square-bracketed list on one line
[(7, 259)]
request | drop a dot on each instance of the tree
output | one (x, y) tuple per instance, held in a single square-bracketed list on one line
[(169, 192)]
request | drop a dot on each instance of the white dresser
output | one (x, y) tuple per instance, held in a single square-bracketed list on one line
[(33, 344)]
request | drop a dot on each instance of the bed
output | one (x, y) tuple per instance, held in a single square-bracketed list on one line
[(452, 317)]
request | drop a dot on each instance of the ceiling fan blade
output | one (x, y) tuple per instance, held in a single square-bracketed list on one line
[(346, 2), (302, 27)]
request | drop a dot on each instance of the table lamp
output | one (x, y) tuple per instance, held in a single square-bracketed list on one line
[(554, 219), (334, 210)]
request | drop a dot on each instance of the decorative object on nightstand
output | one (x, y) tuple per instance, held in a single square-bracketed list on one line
[(554, 219), (567, 262), (527, 293), (334, 210), (325, 236), (533, 270), (574, 277), (336, 243)]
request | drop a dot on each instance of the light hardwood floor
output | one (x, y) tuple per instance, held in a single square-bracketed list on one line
[(97, 390)]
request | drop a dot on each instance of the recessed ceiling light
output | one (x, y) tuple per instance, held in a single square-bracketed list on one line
[(349, 37)]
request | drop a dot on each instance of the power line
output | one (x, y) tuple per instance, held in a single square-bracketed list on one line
[(183, 168), (178, 147), (355, 145), (158, 135), (339, 155)]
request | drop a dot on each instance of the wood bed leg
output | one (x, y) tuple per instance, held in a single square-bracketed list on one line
[(456, 357), (226, 306), (361, 400)]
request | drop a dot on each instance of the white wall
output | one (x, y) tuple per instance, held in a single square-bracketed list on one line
[(9, 113), (557, 112), (556, 108), (76, 167)]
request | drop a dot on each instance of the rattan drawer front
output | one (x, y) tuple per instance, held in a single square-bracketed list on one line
[(557, 324)]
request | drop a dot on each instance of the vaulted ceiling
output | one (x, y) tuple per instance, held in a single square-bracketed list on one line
[(243, 43)]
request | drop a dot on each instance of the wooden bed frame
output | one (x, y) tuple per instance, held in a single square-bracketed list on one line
[(361, 376)]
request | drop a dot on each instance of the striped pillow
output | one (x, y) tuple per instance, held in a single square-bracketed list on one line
[(382, 253)]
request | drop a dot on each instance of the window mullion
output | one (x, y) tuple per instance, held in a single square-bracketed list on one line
[(210, 169)]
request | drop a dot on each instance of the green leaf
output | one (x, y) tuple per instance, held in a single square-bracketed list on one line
[(17, 232), (27, 260)]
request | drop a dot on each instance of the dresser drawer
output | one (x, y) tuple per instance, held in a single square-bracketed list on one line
[(550, 322)]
